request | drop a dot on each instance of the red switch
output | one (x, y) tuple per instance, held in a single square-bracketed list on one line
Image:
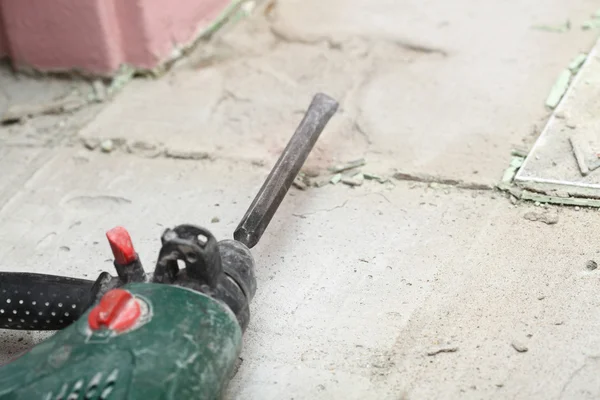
[(118, 310), (120, 243)]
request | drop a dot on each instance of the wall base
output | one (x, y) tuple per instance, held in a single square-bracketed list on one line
[(96, 37)]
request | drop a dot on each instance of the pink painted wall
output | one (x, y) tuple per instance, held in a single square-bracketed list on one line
[(3, 44), (159, 27), (58, 34), (97, 36)]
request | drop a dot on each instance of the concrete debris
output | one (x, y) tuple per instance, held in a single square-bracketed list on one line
[(121, 78), (560, 197), (559, 89), (90, 143), (355, 180), (143, 149), (593, 23), (518, 346), (425, 178), (344, 173), (373, 177), (307, 177), (519, 152), (591, 265), (509, 174), (310, 172), (548, 218), (107, 146), (587, 159), (350, 165), (569, 201), (187, 154), (402, 176), (321, 183), (475, 186), (20, 112), (214, 220), (439, 350), (100, 94), (301, 182), (579, 156), (557, 193), (560, 28), (335, 179), (577, 62)]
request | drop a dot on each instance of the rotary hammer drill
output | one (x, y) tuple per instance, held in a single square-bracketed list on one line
[(175, 333)]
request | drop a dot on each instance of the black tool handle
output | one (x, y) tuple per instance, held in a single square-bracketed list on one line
[(42, 302)]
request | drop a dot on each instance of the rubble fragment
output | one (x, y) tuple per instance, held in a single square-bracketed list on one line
[(355, 180), (559, 89), (548, 218), (144, 149), (511, 171), (518, 346), (593, 23), (310, 172), (350, 165), (591, 265), (577, 62), (373, 177), (301, 182), (335, 179), (569, 201), (579, 156), (439, 350), (587, 159), (100, 94), (187, 154), (107, 146), (519, 152), (560, 28), (90, 143)]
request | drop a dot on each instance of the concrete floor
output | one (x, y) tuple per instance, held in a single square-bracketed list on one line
[(357, 286)]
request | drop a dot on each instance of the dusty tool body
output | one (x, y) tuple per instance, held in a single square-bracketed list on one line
[(172, 334)]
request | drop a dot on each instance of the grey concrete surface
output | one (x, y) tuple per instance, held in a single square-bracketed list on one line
[(356, 286), (37, 92), (552, 165), (385, 291), (430, 87)]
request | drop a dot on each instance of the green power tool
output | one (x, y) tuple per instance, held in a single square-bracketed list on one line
[(173, 334)]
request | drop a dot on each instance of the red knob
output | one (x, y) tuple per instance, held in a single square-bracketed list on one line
[(118, 310), (120, 243)]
